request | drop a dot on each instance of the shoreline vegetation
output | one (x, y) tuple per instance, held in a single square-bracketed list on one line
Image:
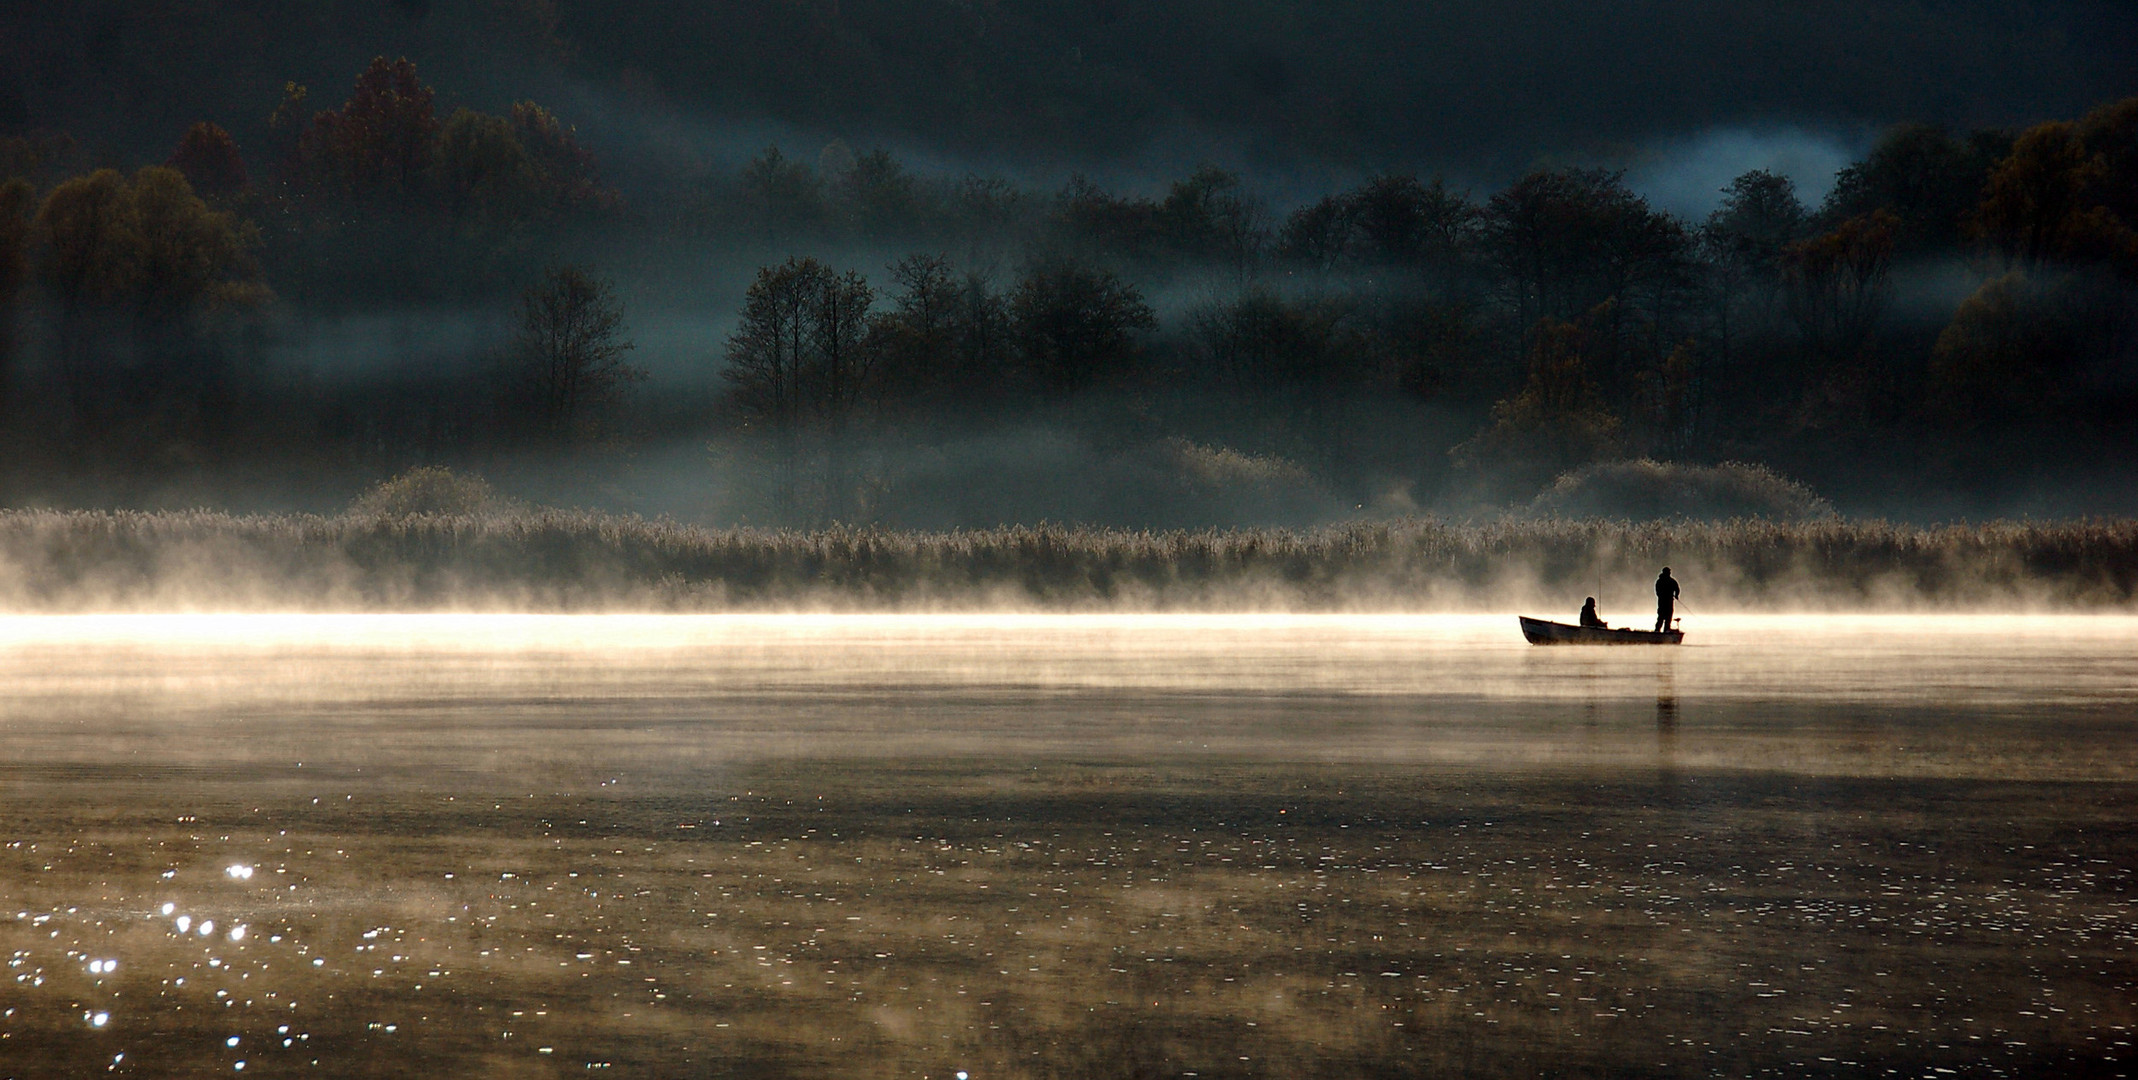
[(551, 560)]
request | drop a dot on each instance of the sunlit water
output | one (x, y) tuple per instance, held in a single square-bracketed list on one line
[(1089, 846)]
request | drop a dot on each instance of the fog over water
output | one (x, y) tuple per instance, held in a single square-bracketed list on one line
[(210, 664), (1043, 845)]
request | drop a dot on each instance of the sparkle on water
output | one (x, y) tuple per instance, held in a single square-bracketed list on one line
[(1062, 846)]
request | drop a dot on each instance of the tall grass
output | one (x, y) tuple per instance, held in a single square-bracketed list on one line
[(566, 560)]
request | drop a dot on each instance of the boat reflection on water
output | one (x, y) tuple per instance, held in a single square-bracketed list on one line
[(1034, 846)]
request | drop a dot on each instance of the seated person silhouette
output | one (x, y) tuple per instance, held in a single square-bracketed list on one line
[(1589, 616)]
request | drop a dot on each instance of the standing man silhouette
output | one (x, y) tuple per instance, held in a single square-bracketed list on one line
[(1666, 598)]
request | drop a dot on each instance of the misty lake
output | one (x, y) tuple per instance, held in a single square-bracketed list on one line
[(1077, 846)]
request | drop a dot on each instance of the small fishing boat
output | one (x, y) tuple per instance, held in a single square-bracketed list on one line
[(1545, 632)]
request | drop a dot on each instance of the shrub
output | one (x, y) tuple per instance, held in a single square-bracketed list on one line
[(1223, 467), (430, 489)]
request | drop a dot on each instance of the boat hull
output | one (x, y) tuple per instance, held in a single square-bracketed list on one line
[(1545, 632)]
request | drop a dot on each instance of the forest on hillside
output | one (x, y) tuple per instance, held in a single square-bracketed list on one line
[(1952, 330)]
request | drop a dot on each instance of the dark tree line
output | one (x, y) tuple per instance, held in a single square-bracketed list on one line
[(1576, 323), (812, 359), (135, 307), (1956, 314)]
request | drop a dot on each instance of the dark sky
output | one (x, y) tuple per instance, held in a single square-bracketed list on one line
[(1298, 93)]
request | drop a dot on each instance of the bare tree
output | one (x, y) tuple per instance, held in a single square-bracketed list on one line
[(569, 357), (775, 360), (845, 365), (767, 353)]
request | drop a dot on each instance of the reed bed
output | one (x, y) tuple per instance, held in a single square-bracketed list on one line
[(557, 560)]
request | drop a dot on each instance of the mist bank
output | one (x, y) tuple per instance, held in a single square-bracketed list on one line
[(573, 561)]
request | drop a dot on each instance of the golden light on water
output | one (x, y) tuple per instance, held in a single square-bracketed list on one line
[(1899, 658), (1037, 845), (491, 630)]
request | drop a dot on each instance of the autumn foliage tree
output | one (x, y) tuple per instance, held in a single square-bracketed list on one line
[(88, 239), (2063, 193), (192, 256), (1555, 422), (379, 144), (386, 146), (1996, 364), (569, 178), (131, 264), (2110, 133), (482, 173), (209, 160), (148, 244)]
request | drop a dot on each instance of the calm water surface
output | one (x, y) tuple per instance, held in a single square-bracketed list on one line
[(1064, 847)]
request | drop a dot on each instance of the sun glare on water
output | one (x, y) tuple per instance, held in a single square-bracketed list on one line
[(1869, 657), (344, 844)]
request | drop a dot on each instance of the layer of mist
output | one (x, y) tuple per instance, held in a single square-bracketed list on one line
[(554, 560)]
